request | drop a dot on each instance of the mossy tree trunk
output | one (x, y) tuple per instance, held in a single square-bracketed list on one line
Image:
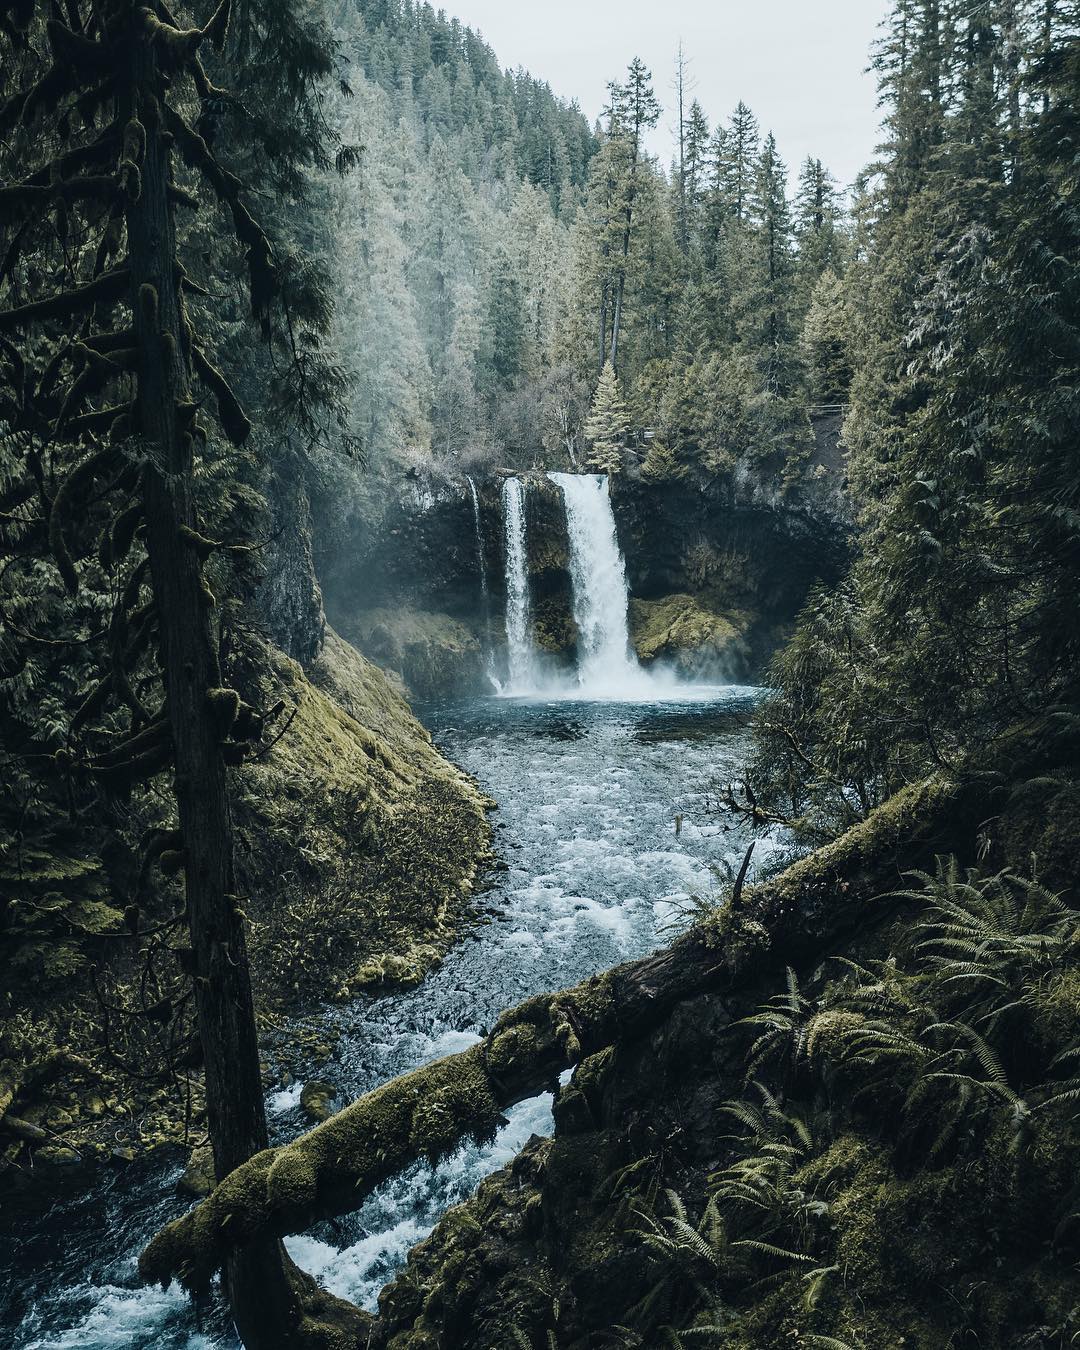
[(333, 1169)]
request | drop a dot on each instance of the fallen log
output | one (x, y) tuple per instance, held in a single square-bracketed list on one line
[(331, 1170)]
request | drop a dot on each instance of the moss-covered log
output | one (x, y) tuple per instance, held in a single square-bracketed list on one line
[(331, 1170)]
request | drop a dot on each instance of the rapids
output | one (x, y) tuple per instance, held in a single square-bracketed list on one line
[(595, 873)]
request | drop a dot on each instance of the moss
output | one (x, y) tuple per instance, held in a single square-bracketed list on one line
[(392, 836), (871, 842), (682, 631), (292, 1182), (827, 1033), (423, 1114), (316, 1099), (510, 1046)]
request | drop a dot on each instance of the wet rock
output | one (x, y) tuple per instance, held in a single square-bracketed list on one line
[(681, 631), (198, 1179), (316, 1099), (55, 1155)]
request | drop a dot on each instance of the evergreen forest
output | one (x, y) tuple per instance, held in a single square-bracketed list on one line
[(539, 692)]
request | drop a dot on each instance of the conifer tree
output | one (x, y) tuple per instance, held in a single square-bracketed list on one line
[(818, 234), (608, 424), (737, 162), (104, 378), (633, 110), (696, 171), (827, 341)]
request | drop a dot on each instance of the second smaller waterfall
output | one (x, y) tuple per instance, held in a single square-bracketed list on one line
[(485, 594), (519, 645), (481, 560)]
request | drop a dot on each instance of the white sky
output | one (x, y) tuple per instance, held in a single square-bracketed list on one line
[(799, 64)]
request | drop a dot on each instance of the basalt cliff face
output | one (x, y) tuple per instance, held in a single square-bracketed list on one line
[(717, 568)]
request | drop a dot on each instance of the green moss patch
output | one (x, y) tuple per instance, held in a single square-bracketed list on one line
[(432, 653), (681, 631)]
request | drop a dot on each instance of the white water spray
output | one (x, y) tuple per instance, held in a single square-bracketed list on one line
[(606, 664), (522, 658)]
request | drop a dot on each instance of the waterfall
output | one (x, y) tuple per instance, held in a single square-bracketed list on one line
[(485, 595), (522, 676), (479, 547), (601, 596)]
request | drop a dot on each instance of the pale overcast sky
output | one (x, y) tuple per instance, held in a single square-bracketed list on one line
[(799, 64)]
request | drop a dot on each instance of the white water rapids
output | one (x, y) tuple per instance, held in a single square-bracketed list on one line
[(588, 796)]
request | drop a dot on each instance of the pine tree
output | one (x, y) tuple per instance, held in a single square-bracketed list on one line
[(736, 166), (827, 341), (696, 172), (608, 424), (818, 234), (633, 109)]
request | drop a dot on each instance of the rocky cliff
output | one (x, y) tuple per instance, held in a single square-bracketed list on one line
[(717, 568)]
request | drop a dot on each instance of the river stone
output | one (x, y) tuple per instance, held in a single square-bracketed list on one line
[(315, 1099), (55, 1155), (198, 1179)]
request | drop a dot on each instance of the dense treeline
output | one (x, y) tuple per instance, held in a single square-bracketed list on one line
[(715, 303), (493, 255), (449, 242), (958, 620)]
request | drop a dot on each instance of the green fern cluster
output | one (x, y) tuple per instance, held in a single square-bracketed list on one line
[(898, 1111)]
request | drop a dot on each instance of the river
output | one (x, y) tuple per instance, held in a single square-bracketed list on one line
[(607, 825)]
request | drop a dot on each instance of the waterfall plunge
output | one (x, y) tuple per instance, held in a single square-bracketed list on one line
[(522, 658), (606, 666)]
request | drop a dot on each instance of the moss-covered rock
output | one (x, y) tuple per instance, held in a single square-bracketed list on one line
[(197, 1180), (317, 1098), (392, 836), (681, 631)]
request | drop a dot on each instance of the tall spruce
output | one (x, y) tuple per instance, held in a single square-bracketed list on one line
[(633, 109)]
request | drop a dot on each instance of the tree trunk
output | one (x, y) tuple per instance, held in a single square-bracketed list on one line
[(616, 320), (603, 328), (257, 1279), (620, 286)]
